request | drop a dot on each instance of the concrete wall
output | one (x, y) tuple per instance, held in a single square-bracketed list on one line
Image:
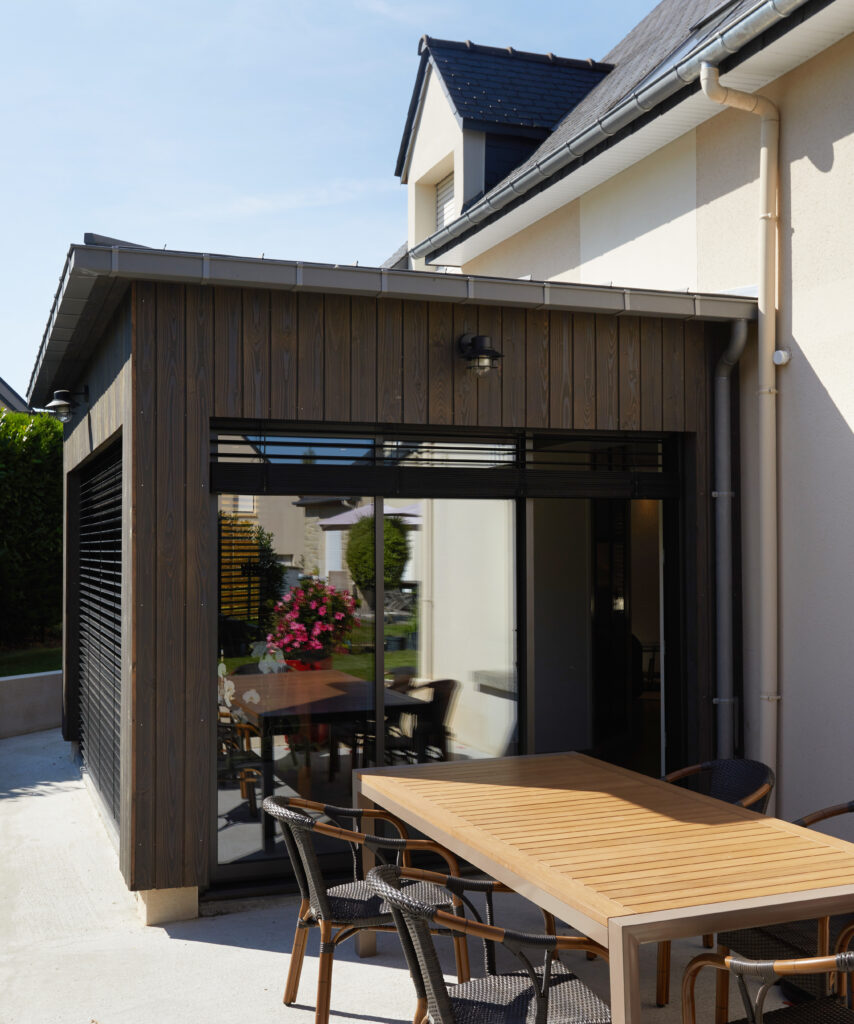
[(30, 703), (687, 217)]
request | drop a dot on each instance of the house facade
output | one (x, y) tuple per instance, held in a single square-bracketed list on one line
[(212, 377), (567, 551), (650, 182)]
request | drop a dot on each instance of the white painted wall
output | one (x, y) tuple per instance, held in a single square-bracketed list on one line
[(687, 218), (639, 228), (439, 147)]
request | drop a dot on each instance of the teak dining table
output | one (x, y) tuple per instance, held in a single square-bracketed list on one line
[(622, 857)]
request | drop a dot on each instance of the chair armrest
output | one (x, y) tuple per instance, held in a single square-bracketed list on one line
[(682, 773), (826, 812), (403, 845), (755, 796), (490, 932), (356, 813), (518, 940), (766, 970)]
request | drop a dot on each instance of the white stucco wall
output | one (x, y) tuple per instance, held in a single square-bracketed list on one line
[(687, 218), (440, 147), (549, 248), (639, 228), (437, 137)]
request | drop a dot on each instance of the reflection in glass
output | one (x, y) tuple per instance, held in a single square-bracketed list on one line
[(298, 626), (296, 666), (450, 635)]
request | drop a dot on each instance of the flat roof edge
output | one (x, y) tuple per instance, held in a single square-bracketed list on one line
[(86, 263), (378, 282)]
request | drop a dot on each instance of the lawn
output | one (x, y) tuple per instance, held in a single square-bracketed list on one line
[(361, 665), (31, 659)]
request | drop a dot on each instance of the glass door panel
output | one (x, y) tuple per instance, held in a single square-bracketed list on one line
[(296, 667), (449, 623)]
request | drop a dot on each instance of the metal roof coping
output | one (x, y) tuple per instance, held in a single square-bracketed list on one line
[(84, 264)]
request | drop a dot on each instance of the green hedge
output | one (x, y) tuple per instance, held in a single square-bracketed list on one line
[(31, 530)]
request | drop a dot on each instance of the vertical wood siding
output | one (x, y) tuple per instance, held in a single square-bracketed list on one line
[(203, 353)]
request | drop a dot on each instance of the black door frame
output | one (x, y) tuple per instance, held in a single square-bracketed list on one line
[(518, 481)]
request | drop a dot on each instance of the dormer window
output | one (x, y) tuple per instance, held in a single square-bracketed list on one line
[(445, 201)]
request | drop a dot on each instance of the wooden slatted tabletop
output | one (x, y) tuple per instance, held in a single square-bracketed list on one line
[(603, 847)]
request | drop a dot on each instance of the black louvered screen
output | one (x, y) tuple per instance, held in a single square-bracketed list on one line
[(100, 623)]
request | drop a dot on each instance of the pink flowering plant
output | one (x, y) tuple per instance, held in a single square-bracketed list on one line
[(313, 618)]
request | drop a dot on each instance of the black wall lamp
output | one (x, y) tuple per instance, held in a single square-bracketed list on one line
[(64, 403), (478, 352)]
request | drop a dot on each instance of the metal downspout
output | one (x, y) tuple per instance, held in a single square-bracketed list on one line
[(767, 406), (723, 495)]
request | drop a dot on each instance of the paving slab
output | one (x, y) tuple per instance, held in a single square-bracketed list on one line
[(74, 950)]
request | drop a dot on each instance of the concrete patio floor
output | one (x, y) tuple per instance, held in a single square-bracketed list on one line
[(74, 951)]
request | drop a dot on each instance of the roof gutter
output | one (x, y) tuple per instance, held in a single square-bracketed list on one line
[(638, 102), (86, 264)]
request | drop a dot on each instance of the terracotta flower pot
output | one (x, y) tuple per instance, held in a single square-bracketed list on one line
[(310, 665)]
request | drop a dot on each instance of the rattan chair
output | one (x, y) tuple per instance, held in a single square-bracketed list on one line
[(825, 1010), (351, 907), (547, 993), (787, 941), (735, 781)]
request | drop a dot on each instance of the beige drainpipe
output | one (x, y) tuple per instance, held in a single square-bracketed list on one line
[(767, 392)]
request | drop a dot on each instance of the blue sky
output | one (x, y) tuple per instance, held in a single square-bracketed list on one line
[(265, 126)]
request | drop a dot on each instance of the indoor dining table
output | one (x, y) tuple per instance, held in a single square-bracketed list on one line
[(621, 857), (273, 701)]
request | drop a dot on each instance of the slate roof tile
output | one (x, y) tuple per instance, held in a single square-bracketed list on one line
[(510, 88)]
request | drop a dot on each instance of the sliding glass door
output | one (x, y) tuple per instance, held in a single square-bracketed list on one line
[(332, 657)]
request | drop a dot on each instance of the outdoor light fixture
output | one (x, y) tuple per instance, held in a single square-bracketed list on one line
[(63, 404), (478, 352)]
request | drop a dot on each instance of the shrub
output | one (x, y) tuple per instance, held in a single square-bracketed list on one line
[(31, 533), (360, 552), (312, 618)]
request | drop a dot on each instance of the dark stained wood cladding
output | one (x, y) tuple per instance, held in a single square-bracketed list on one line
[(333, 358), (202, 353)]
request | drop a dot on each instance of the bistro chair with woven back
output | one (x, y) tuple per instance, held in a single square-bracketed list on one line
[(827, 1009), (541, 991), (340, 911), (790, 940), (737, 781)]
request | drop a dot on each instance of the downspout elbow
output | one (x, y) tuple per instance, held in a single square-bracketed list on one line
[(733, 352), (752, 103)]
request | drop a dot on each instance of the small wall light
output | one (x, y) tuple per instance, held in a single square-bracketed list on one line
[(477, 350), (63, 404)]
